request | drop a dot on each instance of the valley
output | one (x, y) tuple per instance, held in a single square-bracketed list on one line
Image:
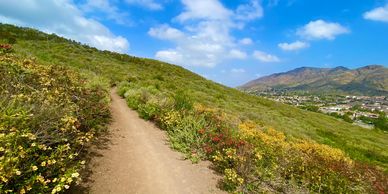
[(365, 111)]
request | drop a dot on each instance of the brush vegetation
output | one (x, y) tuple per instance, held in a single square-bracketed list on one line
[(257, 144), (47, 115)]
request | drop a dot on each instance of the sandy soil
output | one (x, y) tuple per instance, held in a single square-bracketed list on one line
[(135, 158)]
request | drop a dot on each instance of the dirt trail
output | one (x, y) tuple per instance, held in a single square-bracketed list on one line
[(137, 159)]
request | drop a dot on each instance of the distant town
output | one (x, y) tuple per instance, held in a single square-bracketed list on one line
[(365, 111)]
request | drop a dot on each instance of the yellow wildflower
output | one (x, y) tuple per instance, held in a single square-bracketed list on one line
[(4, 179), (75, 175), (31, 137), (40, 179), (258, 156), (240, 180)]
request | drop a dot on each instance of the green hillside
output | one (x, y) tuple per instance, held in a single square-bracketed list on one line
[(148, 79)]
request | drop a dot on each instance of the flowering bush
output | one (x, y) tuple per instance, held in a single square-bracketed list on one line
[(46, 117), (5, 48), (302, 162)]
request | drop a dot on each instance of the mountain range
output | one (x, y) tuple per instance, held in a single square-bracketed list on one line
[(367, 80)]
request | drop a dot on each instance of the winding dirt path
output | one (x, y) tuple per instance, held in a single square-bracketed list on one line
[(137, 159)]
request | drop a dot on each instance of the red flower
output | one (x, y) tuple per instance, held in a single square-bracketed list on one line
[(216, 139), (241, 143), (5, 46), (229, 142), (208, 149), (201, 131)]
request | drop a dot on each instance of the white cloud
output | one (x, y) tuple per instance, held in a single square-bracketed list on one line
[(321, 29), (237, 54), (204, 9), (246, 41), (237, 70), (378, 14), (191, 54), (110, 43), (265, 57), (205, 38), (293, 46), (109, 10), (250, 11), (149, 4), (170, 56), (63, 18), (166, 32)]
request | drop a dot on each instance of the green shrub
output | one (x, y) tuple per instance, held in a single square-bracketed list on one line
[(122, 88), (148, 111), (184, 135), (46, 117), (159, 77), (183, 101), (6, 48), (133, 103), (11, 40), (132, 96)]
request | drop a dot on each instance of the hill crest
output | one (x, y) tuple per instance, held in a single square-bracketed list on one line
[(367, 80)]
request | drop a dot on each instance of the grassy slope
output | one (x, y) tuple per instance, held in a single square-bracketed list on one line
[(360, 144)]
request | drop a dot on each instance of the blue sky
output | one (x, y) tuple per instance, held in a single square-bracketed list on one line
[(230, 42)]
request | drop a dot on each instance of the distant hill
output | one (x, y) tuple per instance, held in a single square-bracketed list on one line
[(368, 80)]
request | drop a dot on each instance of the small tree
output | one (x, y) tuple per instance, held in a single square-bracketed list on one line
[(382, 122), (11, 40)]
